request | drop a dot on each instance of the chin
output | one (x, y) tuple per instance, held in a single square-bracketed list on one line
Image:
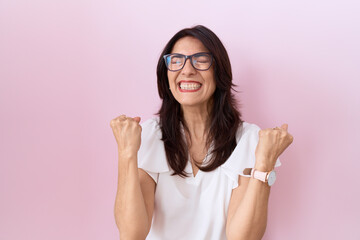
[(192, 103)]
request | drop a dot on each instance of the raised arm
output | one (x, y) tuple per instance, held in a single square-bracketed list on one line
[(248, 208), (134, 201)]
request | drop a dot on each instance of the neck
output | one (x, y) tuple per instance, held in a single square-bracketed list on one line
[(197, 120)]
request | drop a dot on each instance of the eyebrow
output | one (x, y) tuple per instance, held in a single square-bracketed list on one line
[(189, 54)]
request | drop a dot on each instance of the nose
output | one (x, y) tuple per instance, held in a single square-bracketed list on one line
[(188, 69)]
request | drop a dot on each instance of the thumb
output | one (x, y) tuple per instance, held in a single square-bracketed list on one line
[(284, 126), (137, 119)]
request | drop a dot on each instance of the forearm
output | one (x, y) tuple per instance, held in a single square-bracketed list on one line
[(250, 218), (130, 211)]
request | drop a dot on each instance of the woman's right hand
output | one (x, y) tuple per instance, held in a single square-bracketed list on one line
[(127, 132)]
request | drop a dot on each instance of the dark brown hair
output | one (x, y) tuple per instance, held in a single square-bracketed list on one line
[(225, 118)]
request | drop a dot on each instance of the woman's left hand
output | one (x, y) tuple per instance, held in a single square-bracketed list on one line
[(272, 143)]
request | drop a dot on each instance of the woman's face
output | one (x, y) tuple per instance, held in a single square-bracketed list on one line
[(191, 87)]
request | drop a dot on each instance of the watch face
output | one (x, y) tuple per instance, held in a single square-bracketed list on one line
[(272, 178)]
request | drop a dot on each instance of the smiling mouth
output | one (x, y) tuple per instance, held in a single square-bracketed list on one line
[(190, 86)]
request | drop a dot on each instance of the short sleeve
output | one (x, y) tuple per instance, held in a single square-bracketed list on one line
[(243, 155), (151, 155)]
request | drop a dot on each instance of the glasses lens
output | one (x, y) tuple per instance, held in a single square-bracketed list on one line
[(174, 62), (202, 61)]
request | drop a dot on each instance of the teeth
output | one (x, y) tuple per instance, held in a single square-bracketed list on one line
[(190, 86)]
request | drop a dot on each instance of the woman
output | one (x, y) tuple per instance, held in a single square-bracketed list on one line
[(197, 171)]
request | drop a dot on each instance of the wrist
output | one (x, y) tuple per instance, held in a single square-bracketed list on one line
[(266, 176), (126, 155), (263, 167)]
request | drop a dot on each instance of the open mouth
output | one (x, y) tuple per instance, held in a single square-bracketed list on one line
[(190, 86)]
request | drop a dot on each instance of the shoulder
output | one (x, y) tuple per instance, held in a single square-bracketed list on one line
[(151, 124), (150, 131), (247, 138), (151, 155), (243, 156), (247, 130)]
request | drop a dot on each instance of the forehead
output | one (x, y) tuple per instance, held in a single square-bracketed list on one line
[(189, 45)]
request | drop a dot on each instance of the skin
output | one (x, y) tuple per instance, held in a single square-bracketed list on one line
[(195, 105), (134, 204)]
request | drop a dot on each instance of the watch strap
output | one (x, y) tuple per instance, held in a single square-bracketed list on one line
[(259, 175)]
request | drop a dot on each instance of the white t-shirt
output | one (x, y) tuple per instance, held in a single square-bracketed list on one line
[(193, 207)]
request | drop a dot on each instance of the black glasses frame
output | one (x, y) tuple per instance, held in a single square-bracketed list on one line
[(186, 58)]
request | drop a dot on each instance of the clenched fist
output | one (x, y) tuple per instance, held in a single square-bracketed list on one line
[(272, 143), (127, 132)]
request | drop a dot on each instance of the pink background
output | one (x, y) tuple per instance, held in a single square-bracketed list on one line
[(68, 67)]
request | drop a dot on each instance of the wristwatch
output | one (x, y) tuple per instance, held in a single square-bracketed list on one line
[(268, 177)]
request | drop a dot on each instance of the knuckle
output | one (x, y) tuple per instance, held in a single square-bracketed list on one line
[(113, 122), (265, 132), (273, 132), (291, 138), (121, 117)]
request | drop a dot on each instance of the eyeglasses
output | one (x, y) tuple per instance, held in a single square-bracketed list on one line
[(200, 61)]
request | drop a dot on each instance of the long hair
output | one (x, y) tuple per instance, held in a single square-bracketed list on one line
[(225, 118)]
